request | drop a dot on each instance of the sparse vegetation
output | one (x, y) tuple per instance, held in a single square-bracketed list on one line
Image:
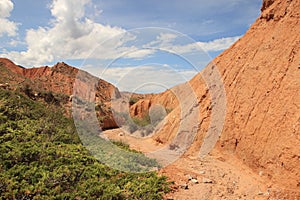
[(124, 146), (41, 157), (168, 110), (133, 100), (144, 125), (142, 121)]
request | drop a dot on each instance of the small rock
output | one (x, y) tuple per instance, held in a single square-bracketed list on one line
[(192, 158), (103, 136), (184, 186), (121, 134), (260, 193), (195, 181), (222, 174), (6, 85), (154, 169), (202, 172), (190, 177), (267, 193), (221, 159), (206, 180), (170, 198)]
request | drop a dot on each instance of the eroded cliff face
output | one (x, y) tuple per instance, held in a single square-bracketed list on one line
[(141, 108), (260, 74), (261, 77), (60, 79)]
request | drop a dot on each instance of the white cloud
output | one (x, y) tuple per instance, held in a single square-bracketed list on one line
[(182, 45), (157, 78), (218, 44), (6, 6), (6, 26), (143, 79), (139, 53), (210, 46), (163, 39), (70, 36)]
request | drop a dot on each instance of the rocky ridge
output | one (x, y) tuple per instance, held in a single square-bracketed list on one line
[(60, 80), (260, 74)]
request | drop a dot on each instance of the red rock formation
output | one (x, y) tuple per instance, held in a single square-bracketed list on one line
[(261, 77), (261, 74), (262, 84), (12, 67), (167, 100), (60, 79)]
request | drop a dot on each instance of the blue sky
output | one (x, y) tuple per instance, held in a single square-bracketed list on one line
[(110, 39)]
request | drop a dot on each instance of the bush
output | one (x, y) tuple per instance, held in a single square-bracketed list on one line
[(133, 100), (143, 121), (41, 157)]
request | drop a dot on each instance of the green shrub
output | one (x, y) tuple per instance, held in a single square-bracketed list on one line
[(41, 157), (143, 121), (133, 100)]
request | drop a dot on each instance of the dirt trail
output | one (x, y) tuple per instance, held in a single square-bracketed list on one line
[(260, 74), (211, 177)]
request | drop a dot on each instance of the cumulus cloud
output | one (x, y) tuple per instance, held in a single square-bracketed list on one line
[(7, 27), (71, 35)]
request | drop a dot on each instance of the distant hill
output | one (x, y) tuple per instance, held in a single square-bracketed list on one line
[(58, 80)]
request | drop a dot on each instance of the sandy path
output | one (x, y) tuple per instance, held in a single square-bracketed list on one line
[(218, 177)]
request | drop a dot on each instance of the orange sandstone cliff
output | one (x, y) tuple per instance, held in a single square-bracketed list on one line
[(261, 77)]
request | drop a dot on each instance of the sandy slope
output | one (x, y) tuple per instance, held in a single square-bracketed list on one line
[(260, 140), (230, 178)]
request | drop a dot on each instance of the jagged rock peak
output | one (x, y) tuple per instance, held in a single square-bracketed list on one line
[(266, 4), (278, 9)]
